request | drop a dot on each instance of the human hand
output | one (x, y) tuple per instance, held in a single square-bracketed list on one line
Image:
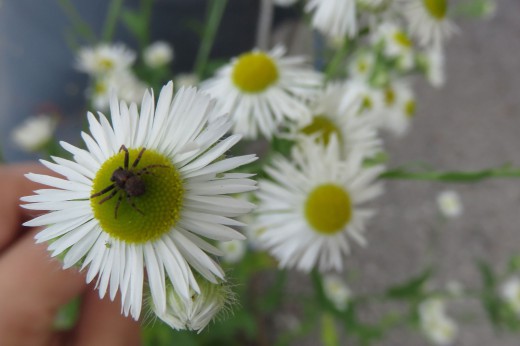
[(33, 286)]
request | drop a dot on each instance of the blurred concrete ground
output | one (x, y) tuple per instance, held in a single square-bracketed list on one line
[(472, 123)]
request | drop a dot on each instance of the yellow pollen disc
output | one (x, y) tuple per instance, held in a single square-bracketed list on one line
[(402, 39), (409, 108), (362, 66), (100, 88), (366, 104), (161, 202), (328, 209), (389, 96), (436, 8), (324, 126), (106, 63), (254, 72)]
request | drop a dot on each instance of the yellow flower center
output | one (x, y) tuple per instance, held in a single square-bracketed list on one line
[(324, 126), (100, 88), (389, 96), (106, 63), (436, 8), (142, 215), (328, 209), (402, 39), (254, 72), (366, 104), (409, 108)]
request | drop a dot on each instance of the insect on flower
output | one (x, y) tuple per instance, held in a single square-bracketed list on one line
[(128, 181)]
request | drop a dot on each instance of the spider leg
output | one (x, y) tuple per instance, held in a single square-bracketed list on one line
[(127, 155), (118, 203), (146, 171), (132, 204), (102, 192), (112, 194), (136, 162)]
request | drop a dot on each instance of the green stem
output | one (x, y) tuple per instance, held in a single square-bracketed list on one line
[(336, 61), (452, 176), (79, 25), (146, 10), (111, 20), (213, 18)]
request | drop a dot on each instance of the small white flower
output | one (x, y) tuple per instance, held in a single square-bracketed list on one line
[(261, 90), (331, 116), (196, 312), (337, 291), (399, 105), (428, 20), (362, 65), (157, 227), (104, 59), (234, 250), (123, 84), (158, 54), (449, 204), (396, 44), (34, 132), (510, 292), (334, 18), (312, 206), (439, 328)]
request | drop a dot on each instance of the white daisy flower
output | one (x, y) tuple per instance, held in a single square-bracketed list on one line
[(313, 205), (331, 117), (428, 20), (124, 84), (234, 250), (263, 89), (104, 59), (439, 328), (399, 108), (185, 80), (334, 18), (449, 204), (141, 199), (510, 292), (362, 65), (337, 291), (396, 44), (35, 132), (198, 311), (158, 54)]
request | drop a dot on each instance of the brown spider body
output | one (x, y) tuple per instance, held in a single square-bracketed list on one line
[(128, 181)]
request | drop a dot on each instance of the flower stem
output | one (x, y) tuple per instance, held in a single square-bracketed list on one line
[(452, 176), (114, 10), (336, 61), (213, 18), (265, 21), (79, 25)]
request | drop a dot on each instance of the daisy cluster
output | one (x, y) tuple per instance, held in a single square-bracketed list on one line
[(148, 204), (110, 68)]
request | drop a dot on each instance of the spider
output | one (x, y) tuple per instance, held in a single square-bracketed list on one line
[(128, 181)]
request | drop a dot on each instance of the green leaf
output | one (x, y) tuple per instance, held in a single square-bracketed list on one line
[(411, 289), (135, 23), (329, 335)]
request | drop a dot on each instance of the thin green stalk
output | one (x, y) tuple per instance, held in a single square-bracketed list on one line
[(146, 10), (337, 59), (213, 18), (114, 11), (452, 176), (79, 25)]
